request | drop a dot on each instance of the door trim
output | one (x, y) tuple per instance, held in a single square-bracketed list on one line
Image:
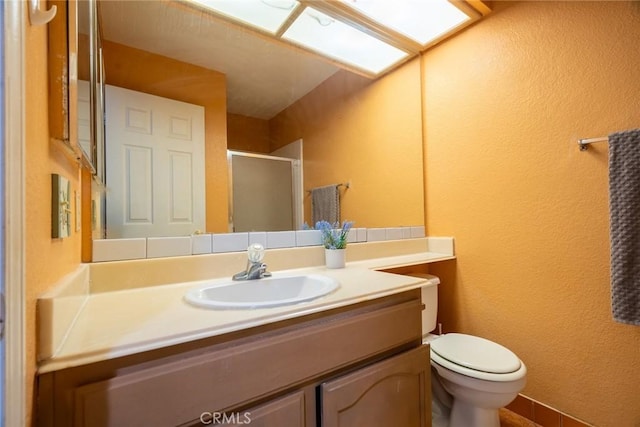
[(14, 180)]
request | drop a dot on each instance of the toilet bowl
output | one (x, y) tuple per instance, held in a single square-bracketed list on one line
[(480, 375), (472, 377)]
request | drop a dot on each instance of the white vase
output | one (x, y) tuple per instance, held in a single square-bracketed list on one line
[(335, 258)]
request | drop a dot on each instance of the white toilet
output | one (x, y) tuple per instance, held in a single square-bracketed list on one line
[(471, 377)]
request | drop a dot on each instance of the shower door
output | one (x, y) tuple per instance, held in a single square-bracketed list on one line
[(261, 192)]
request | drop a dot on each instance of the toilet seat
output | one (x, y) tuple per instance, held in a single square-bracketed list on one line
[(476, 357)]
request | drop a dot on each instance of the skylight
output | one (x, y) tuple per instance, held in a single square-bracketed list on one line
[(337, 40), (421, 20), (267, 15), (367, 35)]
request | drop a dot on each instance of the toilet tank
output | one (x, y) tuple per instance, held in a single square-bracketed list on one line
[(430, 301)]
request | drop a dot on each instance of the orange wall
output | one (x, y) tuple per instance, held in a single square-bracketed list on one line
[(506, 101), (46, 259), (365, 132), (247, 134), (158, 75)]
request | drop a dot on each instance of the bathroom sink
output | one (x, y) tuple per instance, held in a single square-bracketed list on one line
[(273, 291)]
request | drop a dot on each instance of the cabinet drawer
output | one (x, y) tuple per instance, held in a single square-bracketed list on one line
[(254, 368)]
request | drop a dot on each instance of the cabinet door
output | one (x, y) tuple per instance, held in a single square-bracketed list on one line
[(394, 392), (286, 411)]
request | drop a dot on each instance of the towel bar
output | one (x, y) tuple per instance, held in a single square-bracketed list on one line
[(584, 143), (346, 185)]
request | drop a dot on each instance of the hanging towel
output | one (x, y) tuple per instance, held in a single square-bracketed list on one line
[(325, 203), (624, 211)]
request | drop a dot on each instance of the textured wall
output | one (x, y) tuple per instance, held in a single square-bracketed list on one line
[(506, 101), (46, 259), (247, 134), (367, 132)]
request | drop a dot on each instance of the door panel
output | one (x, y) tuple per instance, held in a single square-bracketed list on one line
[(395, 392), (180, 191), (155, 165), (138, 176)]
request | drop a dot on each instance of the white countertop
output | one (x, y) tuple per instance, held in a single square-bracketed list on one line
[(124, 322)]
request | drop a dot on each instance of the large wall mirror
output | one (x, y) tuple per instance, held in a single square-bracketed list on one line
[(260, 96)]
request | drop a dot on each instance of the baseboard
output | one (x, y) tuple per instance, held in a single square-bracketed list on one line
[(543, 414)]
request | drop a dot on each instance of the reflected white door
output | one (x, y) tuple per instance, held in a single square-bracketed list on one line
[(155, 165)]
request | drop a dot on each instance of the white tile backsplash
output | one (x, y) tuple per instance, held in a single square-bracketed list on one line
[(201, 244), (394, 233), (168, 246), (123, 249), (406, 232), (230, 242), (417, 231), (376, 234), (119, 249), (258, 237), (308, 238), (281, 239)]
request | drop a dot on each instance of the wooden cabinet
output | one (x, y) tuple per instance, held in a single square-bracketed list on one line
[(271, 375), (394, 392)]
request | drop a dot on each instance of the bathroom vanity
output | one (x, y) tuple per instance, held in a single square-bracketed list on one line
[(362, 364), (115, 351)]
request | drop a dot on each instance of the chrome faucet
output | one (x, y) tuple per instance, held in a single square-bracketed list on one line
[(256, 269)]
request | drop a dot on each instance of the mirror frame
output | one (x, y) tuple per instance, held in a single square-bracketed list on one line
[(63, 32), (62, 86), (62, 58)]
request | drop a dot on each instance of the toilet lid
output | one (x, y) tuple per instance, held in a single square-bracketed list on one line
[(476, 353)]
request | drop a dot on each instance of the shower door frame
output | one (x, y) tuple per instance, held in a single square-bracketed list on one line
[(296, 185)]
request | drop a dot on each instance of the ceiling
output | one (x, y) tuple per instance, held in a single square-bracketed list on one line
[(263, 76)]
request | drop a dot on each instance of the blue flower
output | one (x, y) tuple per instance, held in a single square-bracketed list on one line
[(334, 236)]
